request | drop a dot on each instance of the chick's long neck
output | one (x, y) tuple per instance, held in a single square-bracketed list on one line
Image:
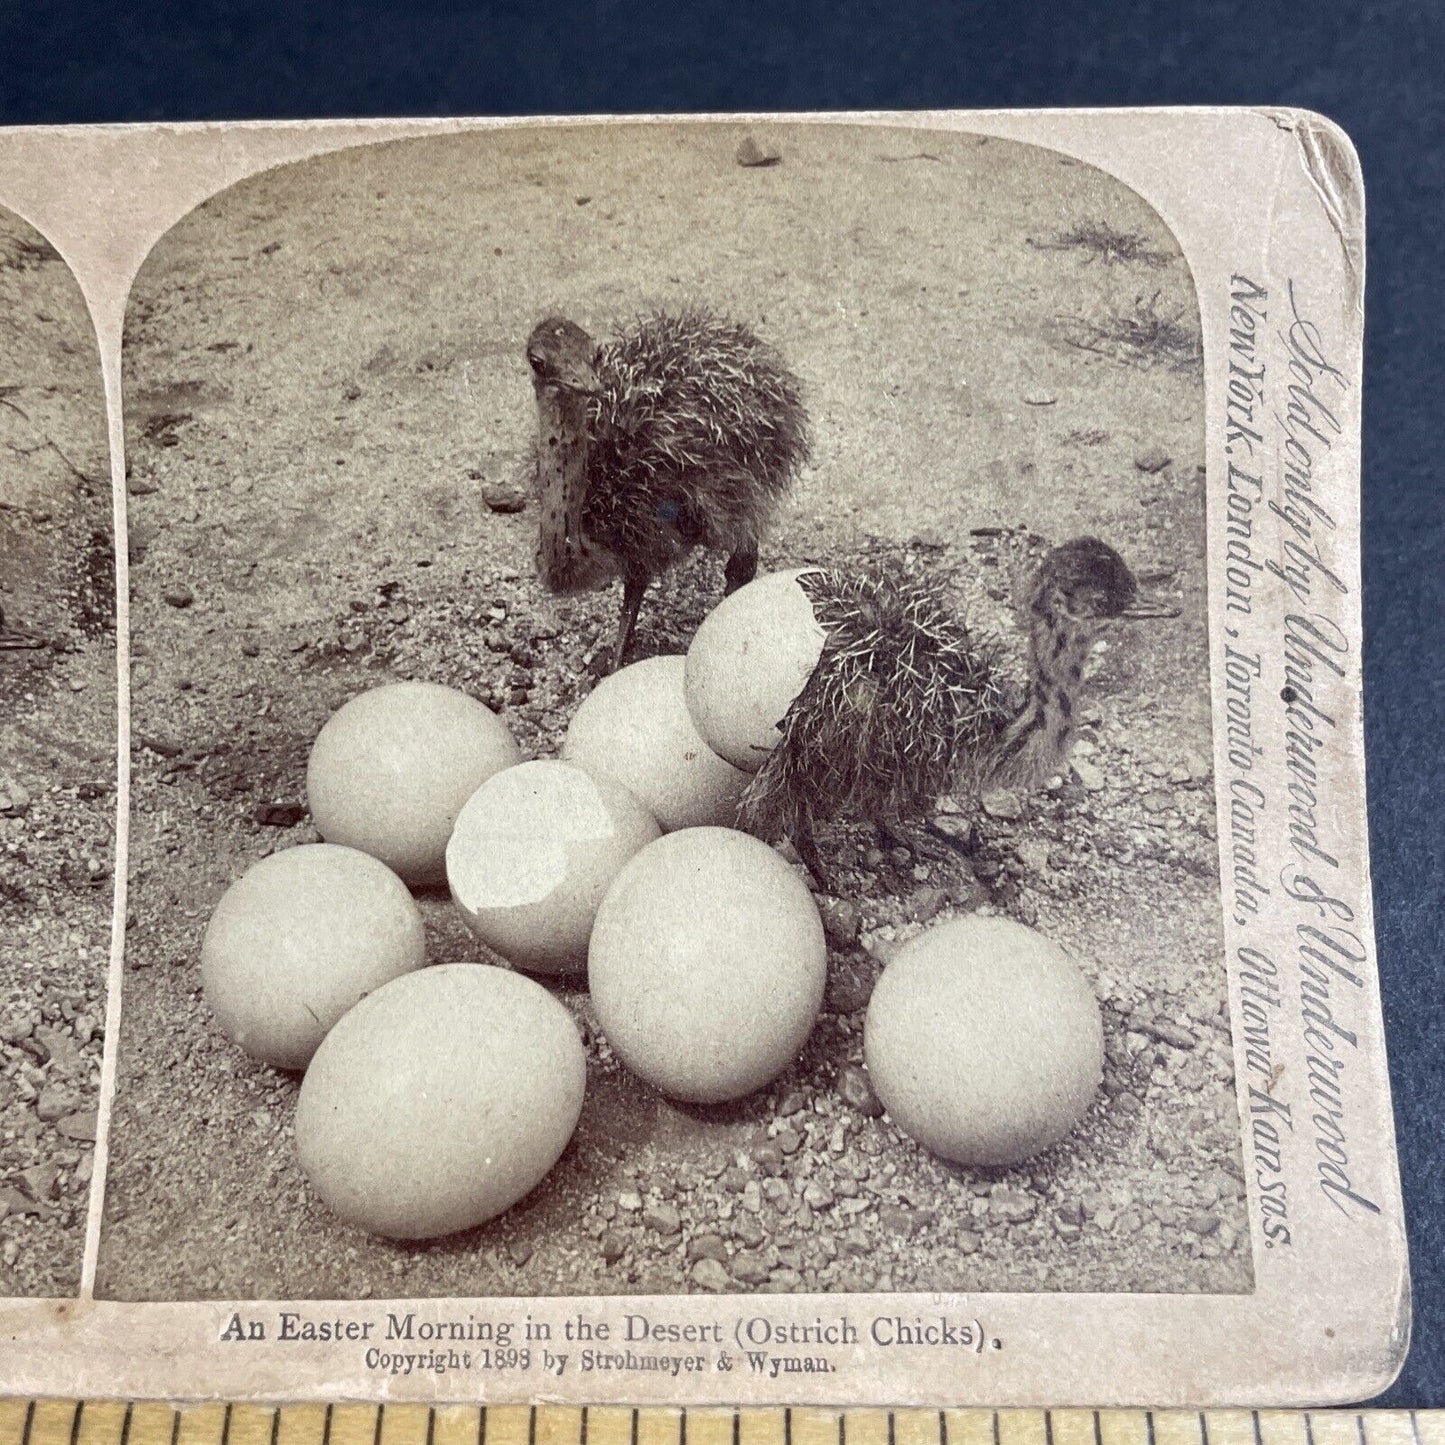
[(1036, 743), (567, 560)]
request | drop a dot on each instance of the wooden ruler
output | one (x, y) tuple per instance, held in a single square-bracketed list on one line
[(96, 1422)]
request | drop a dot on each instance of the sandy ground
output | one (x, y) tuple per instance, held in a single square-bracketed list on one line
[(57, 762), (324, 373)]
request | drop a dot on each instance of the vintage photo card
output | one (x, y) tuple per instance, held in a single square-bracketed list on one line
[(57, 761), (743, 777)]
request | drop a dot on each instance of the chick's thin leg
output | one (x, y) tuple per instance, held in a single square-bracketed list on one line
[(923, 840), (741, 567), (824, 874), (633, 588)]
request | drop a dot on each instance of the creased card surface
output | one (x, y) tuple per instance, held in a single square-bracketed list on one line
[(926, 953)]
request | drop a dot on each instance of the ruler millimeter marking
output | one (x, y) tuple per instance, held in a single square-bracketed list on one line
[(106, 1422)]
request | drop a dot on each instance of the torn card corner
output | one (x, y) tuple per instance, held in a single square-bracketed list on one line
[(1332, 165)]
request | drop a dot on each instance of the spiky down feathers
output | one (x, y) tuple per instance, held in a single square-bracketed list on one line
[(695, 435), (901, 697)]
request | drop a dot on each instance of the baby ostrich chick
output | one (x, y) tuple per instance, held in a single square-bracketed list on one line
[(685, 432), (904, 705)]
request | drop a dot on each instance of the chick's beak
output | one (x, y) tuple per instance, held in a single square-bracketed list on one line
[(1147, 607), (581, 379)]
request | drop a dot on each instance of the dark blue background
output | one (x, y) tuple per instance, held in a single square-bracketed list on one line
[(1375, 68)]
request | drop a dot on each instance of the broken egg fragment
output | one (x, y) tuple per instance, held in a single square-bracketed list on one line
[(534, 850)]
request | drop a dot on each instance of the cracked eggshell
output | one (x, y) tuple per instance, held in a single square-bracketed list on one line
[(984, 1041), (440, 1100), (532, 854), (634, 727), (299, 939), (750, 658), (707, 965), (391, 769)]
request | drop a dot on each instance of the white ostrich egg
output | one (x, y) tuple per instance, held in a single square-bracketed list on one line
[(297, 940), (440, 1100), (391, 769), (984, 1041), (748, 661), (707, 964), (635, 727), (533, 851)]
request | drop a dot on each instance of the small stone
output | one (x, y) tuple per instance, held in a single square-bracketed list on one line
[(749, 1232), (751, 154), (794, 1102), (789, 1141), (15, 1029), (1175, 1035), (711, 1274), (1089, 776), (1199, 767), (955, 827), (19, 798), (1155, 459), (708, 1246), (162, 747), (1039, 398), (733, 1179), (53, 1105), (818, 1196), (1013, 1206), (925, 904), (39, 1181), (897, 1220), (179, 596), (768, 1158), (1156, 802), (857, 1091), (749, 1268), (1002, 803), (881, 945), (785, 1279), (614, 1246), (662, 1219), (753, 1196), (1033, 853), (12, 1201), (630, 1200), (250, 648), (1202, 1223), (519, 1251), (278, 815), (842, 920), (504, 497), (849, 990), (80, 1126)]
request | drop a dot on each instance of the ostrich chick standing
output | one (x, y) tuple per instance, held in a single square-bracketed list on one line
[(685, 432), (904, 705)]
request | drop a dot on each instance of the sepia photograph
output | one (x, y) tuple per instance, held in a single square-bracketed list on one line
[(671, 729), (57, 761)]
